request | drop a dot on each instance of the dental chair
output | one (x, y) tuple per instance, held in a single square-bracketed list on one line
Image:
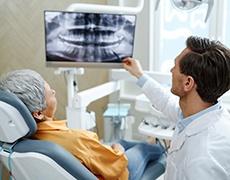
[(39, 159), (32, 159)]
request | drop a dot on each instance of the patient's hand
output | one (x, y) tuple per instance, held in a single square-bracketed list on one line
[(118, 147)]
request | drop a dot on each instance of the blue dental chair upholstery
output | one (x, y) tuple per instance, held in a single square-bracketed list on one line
[(32, 159)]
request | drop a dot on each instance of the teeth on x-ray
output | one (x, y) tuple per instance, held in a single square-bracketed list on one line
[(100, 39), (89, 37)]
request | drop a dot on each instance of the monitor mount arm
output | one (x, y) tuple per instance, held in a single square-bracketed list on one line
[(76, 112), (77, 115), (107, 8)]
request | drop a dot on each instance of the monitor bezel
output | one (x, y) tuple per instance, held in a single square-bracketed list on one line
[(77, 64)]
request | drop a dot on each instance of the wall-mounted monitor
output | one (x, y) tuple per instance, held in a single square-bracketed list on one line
[(88, 40)]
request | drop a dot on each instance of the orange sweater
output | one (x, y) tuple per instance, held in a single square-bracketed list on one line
[(101, 160)]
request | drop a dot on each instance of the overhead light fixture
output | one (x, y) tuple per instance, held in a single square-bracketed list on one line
[(190, 5), (185, 4)]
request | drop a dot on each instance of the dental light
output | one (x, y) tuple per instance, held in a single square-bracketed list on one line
[(190, 5)]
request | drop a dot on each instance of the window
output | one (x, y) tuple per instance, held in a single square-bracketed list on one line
[(227, 32), (176, 26)]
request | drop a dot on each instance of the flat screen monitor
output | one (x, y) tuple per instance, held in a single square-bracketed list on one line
[(88, 40)]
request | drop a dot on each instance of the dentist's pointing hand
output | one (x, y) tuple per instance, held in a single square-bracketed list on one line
[(133, 66)]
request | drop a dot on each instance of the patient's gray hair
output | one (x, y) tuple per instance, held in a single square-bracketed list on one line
[(28, 85)]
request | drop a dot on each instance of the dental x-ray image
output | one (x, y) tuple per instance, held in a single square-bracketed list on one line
[(88, 37)]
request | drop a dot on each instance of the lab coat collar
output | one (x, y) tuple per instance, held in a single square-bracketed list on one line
[(186, 121), (195, 127)]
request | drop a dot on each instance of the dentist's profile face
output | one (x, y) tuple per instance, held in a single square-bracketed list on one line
[(178, 79), (87, 37)]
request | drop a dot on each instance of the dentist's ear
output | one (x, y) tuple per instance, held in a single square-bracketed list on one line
[(38, 115), (189, 83)]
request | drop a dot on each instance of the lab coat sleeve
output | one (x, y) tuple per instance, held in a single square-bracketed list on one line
[(162, 99), (205, 168)]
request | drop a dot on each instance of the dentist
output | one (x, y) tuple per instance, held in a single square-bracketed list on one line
[(200, 144)]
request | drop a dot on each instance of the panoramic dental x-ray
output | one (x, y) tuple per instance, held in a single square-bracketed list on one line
[(88, 37)]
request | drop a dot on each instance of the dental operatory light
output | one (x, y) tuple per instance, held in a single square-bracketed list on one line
[(185, 4), (190, 5)]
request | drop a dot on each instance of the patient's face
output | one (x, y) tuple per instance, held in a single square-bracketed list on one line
[(51, 102)]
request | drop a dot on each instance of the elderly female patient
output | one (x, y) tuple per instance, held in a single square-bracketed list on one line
[(122, 160)]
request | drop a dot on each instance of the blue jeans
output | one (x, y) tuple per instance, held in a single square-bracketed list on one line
[(139, 154)]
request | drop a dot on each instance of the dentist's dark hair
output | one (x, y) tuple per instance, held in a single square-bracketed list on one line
[(208, 62)]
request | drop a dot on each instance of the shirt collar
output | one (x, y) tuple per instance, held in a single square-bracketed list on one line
[(183, 122), (51, 125)]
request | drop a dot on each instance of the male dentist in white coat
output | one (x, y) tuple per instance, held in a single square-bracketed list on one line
[(200, 145)]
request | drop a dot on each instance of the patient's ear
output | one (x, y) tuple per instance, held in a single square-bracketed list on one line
[(38, 115)]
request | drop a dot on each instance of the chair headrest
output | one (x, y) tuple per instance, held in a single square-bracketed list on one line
[(16, 120)]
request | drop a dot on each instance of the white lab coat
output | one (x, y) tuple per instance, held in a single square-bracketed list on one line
[(202, 150)]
